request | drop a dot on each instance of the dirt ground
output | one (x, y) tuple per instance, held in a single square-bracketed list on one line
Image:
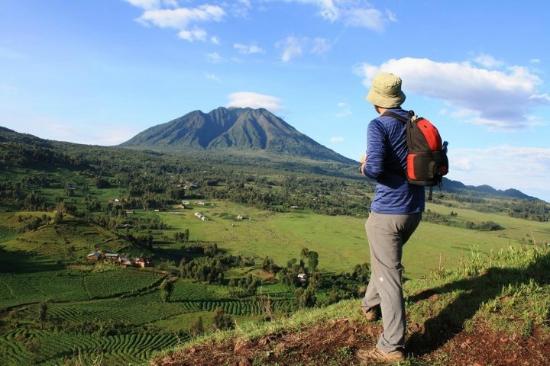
[(335, 343)]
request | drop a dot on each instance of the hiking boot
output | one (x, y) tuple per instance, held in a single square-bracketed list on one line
[(371, 314), (365, 356)]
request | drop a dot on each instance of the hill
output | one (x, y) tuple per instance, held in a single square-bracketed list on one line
[(64, 201), (485, 312), (486, 190), (25, 150), (237, 129)]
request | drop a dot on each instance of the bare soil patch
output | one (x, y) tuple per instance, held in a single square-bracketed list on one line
[(335, 343)]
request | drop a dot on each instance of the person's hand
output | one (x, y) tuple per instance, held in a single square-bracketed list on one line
[(363, 162)]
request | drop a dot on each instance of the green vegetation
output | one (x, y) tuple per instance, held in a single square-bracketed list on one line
[(507, 292), (267, 223)]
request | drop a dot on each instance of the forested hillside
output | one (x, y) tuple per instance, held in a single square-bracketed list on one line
[(108, 255)]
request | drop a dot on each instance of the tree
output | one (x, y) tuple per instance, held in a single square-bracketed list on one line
[(305, 298), (309, 298), (222, 320), (268, 265), (166, 289), (183, 262), (42, 313), (304, 253), (59, 213), (197, 327), (312, 260), (182, 236), (101, 182)]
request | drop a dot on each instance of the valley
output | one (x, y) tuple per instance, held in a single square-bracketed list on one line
[(279, 236)]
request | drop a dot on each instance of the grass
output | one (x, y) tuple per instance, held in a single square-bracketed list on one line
[(33, 270), (54, 348), (191, 290), (340, 240), (68, 241), (71, 285), (509, 291)]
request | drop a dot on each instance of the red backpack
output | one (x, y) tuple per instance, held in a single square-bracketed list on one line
[(427, 160)]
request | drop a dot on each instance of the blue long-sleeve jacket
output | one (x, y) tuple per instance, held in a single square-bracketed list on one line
[(387, 163)]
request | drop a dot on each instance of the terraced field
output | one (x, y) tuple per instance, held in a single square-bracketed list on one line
[(46, 347), (70, 285), (116, 316)]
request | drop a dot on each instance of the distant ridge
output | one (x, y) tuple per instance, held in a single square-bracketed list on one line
[(237, 129), (456, 186), (13, 142)]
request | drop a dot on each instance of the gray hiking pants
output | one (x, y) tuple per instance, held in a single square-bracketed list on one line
[(387, 234)]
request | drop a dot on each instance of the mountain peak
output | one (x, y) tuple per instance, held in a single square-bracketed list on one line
[(233, 128)]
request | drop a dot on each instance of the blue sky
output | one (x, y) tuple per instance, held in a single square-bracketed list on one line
[(100, 71)]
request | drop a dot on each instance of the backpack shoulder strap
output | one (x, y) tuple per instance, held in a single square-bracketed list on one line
[(399, 117)]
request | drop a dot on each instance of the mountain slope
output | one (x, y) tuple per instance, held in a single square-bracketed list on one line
[(455, 317), (483, 190), (25, 150), (238, 129)]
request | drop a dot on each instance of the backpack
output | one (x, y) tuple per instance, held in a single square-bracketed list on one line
[(427, 160)]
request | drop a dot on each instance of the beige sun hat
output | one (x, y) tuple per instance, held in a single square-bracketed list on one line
[(385, 91)]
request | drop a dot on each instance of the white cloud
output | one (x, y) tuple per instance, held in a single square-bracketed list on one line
[(488, 61), (89, 132), (195, 34), (214, 58), (535, 60), (499, 99), (344, 110), (335, 140), (391, 16), (254, 100), (248, 49), (212, 77), (180, 18), (241, 8), (294, 47), (166, 14), (153, 4), (545, 97), (320, 46), (365, 18), (353, 13), (503, 167)]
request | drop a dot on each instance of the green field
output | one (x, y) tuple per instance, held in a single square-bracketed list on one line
[(115, 315), (341, 240)]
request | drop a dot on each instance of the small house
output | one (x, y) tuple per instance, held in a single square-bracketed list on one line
[(302, 277), (113, 257), (142, 262), (200, 216), (94, 256), (294, 207), (124, 261)]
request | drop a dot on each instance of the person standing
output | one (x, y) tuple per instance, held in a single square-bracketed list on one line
[(396, 211)]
